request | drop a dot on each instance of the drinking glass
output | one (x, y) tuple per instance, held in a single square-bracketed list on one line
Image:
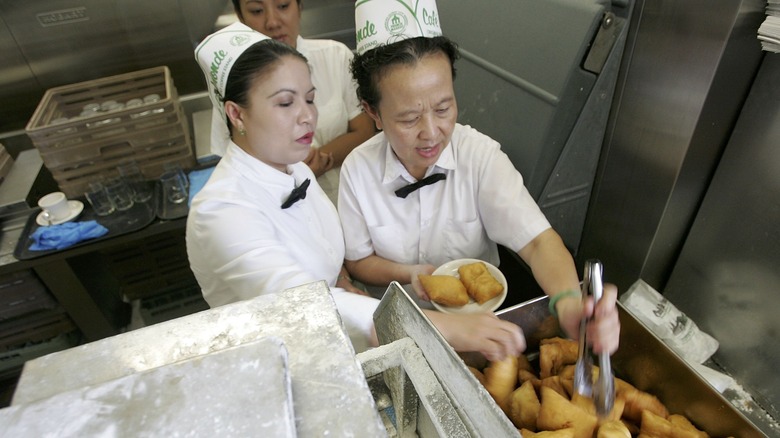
[(173, 187), (174, 167), (98, 199), (119, 193), (131, 173)]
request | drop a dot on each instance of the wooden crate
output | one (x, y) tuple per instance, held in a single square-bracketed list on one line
[(78, 149)]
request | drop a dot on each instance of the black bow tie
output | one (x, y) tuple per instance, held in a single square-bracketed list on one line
[(297, 194), (404, 191)]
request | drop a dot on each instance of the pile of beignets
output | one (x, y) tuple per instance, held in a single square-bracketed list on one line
[(475, 282), (542, 403)]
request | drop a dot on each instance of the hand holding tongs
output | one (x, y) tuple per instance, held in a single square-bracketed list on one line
[(604, 392)]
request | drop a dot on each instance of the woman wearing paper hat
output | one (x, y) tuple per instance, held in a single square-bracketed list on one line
[(342, 124), (427, 190), (261, 223), (250, 229)]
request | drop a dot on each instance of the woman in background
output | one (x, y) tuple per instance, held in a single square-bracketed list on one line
[(342, 124)]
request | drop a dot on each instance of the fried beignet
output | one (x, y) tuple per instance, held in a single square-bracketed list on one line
[(562, 433), (445, 290), (524, 375), (554, 354), (524, 406), (683, 422), (554, 382), (480, 284), (524, 364), (500, 380), (613, 429), (556, 412), (654, 426), (639, 401)]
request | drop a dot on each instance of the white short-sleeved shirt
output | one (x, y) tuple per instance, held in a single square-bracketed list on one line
[(242, 244), (481, 202), (335, 98)]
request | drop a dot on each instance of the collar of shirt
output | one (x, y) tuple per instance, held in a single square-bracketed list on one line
[(394, 169), (277, 184)]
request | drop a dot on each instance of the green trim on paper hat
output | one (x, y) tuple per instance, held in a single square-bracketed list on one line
[(216, 55), (381, 22)]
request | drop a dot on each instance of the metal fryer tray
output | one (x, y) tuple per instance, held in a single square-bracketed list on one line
[(464, 408), (648, 363)]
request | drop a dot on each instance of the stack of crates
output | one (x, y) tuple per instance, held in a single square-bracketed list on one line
[(84, 130)]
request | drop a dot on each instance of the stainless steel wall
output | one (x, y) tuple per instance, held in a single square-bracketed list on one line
[(687, 70), (727, 278), (687, 194), (56, 42)]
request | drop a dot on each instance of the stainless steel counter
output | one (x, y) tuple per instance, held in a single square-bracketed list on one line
[(327, 380)]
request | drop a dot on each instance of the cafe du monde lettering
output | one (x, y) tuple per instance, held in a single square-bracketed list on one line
[(395, 24), (219, 57)]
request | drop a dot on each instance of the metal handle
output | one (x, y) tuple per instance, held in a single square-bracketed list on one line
[(604, 390)]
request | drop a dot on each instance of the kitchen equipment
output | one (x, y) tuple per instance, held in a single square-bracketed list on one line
[(456, 404), (329, 392), (650, 365), (421, 376), (603, 392), (256, 374)]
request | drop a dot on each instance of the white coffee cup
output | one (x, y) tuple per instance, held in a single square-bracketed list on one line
[(55, 205)]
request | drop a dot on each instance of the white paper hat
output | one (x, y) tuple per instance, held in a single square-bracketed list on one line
[(216, 55), (380, 22)]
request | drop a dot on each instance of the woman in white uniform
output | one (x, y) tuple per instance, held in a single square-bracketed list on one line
[(463, 194), (342, 124), (261, 223)]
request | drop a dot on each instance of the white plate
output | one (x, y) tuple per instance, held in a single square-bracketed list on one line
[(451, 268), (76, 207)]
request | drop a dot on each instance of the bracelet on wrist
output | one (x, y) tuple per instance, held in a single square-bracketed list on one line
[(570, 293)]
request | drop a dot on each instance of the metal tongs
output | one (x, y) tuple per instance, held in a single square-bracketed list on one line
[(603, 392)]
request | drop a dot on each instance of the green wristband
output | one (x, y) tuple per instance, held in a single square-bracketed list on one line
[(559, 296)]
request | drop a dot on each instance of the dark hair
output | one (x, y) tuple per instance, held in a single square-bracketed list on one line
[(237, 8), (369, 67), (258, 60)]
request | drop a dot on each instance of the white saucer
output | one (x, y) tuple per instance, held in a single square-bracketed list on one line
[(451, 268), (76, 207)]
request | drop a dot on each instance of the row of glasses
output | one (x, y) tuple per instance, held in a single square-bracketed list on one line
[(121, 192), (110, 195)]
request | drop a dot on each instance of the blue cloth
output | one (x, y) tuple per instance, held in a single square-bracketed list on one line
[(64, 235), (198, 179)]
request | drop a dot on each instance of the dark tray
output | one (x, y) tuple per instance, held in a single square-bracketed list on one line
[(140, 215)]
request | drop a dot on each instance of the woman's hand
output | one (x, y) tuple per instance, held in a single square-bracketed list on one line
[(482, 332), (414, 272), (319, 162), (345, 282), (603, 330)]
